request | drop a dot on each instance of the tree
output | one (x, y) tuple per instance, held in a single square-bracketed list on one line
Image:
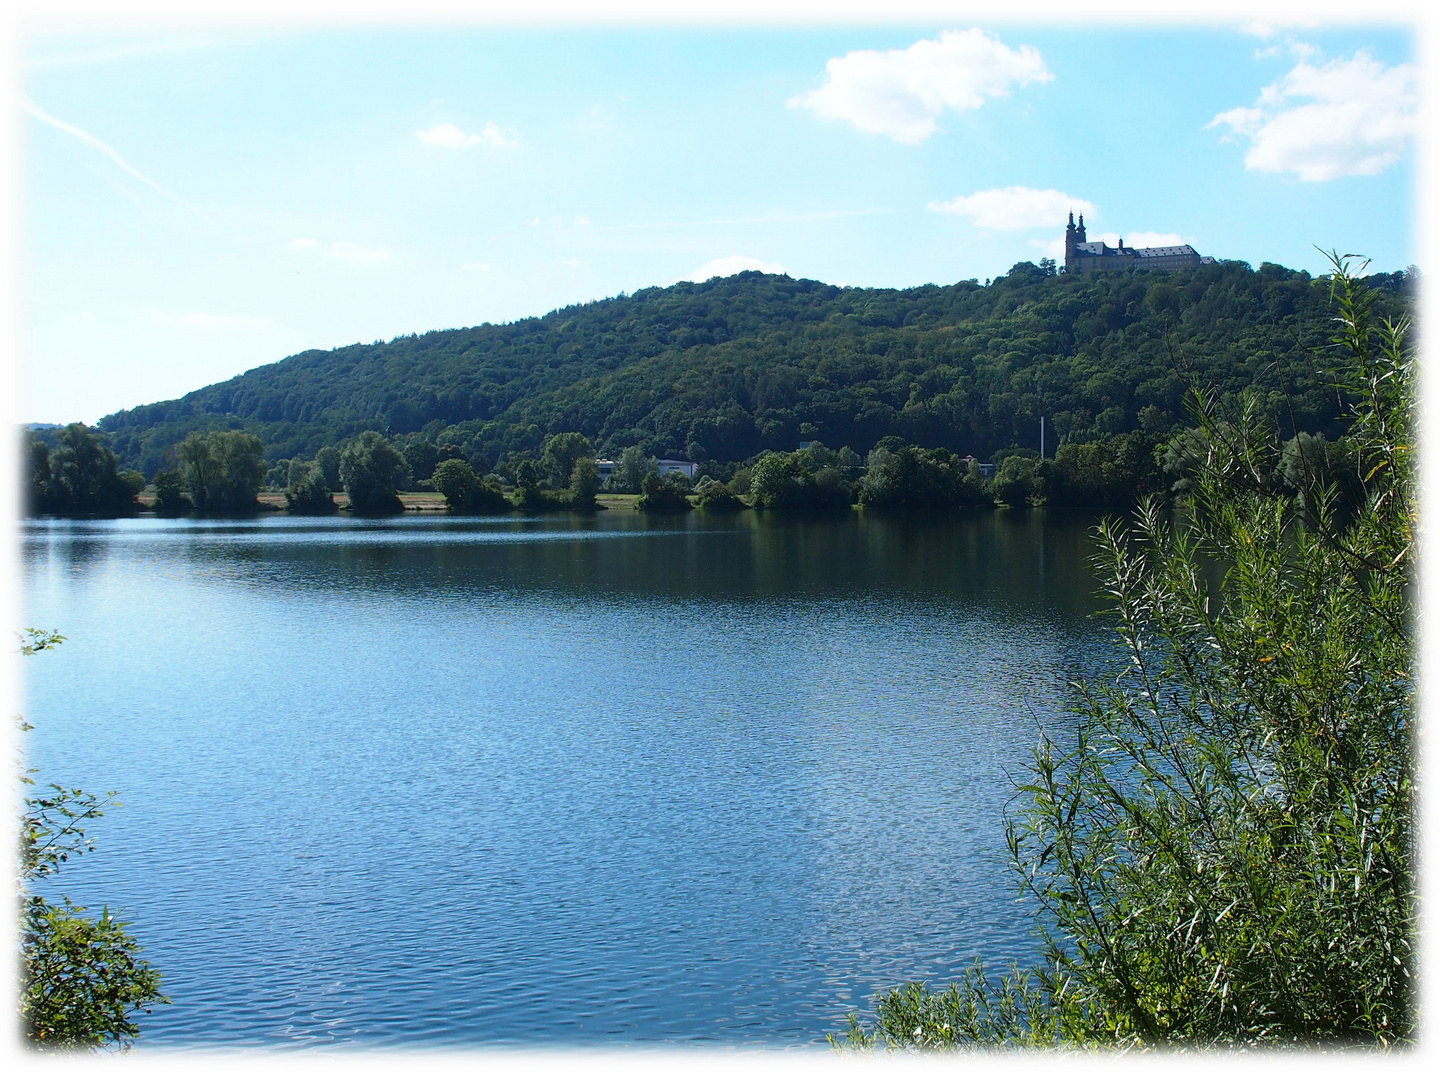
[(79, 479), (717, 496), (222, 470), (529, 495), (170, 499), (584, 483), (328, 458), (561, 452), (663, 494), (82, 979), (1222, 851), (466, 493), (307, 492), (805, 479), (370, 468), (630, 470)]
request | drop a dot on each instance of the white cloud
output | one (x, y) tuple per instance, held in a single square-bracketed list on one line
[(1015, 207), (732, 264), (1355, 119), (303, 243), (450, 137), (581, 220), (475, 267), (901, 92)]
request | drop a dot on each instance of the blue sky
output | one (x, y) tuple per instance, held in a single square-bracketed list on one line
[(195, 203)]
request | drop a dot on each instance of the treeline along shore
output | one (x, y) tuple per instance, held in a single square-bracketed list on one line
[(782, 393)]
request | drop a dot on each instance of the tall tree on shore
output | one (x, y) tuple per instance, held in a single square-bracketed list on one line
[(79, 478), (370, 468), (222, 470)]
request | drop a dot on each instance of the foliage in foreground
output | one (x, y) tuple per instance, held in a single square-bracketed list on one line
[(1223, 853), (82, 980)]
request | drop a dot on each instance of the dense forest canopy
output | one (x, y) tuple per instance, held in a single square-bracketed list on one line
[(724, 369)]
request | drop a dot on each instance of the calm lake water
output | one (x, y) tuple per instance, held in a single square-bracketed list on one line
[(564, 780)]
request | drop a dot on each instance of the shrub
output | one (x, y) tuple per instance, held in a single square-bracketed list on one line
[(307, 493), (664, 494), (466, 493)]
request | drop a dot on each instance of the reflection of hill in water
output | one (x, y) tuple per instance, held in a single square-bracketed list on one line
[(1008, 559)]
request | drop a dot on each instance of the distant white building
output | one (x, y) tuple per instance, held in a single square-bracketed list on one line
[(1082, 255), (665, 465), (606, 468)]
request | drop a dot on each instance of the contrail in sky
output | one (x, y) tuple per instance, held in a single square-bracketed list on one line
[(108, 151)]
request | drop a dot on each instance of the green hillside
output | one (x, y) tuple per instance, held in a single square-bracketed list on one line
[(724, 369)]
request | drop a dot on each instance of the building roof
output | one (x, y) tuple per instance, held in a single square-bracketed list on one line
[(1150, 253)]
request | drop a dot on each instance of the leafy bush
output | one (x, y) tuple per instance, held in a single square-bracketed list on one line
[(466, 493), (170, 500), (82, 981), (804, 479), (718, 497), (307, 493), (664, 494), (912, 477), (1222, 851)]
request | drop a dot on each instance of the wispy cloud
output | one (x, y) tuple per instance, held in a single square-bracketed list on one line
[(475, 267), (450, 137), (902, 92), (104, 148), (732, 264), (1015, 207), (1347, 118)]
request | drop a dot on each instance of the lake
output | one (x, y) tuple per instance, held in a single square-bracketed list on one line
[(563, 780)]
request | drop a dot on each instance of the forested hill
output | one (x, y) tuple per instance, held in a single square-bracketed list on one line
[(727, 368)]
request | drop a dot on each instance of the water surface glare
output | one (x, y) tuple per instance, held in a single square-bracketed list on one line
[(563, 780)]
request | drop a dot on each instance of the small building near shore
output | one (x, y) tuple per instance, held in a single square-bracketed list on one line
[(667, 465)]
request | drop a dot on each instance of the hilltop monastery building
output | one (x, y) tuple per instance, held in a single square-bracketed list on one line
[(1081, 256)]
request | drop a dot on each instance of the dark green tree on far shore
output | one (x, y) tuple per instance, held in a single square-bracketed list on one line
[(664, 494), (170, 497), (370, 469), (467, 493), (79, 478), (307, 492), (222, 470)]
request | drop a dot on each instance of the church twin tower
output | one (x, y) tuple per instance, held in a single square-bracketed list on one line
[(1082, 255)]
